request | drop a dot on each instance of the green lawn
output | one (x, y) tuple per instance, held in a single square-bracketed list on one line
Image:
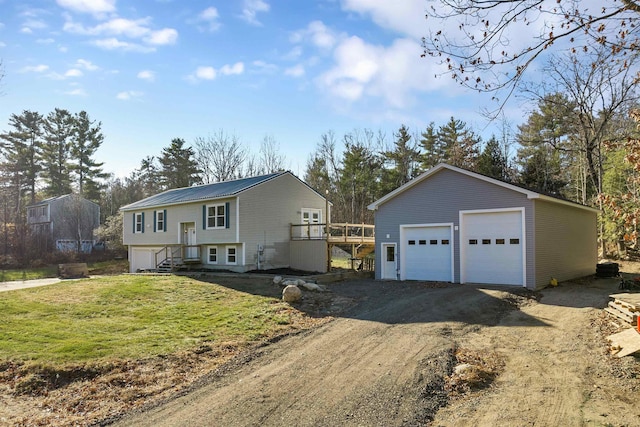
[(129, 317)]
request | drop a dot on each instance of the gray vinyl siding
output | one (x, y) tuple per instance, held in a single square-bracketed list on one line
[(439, 199), (566, 242), (266, 213)]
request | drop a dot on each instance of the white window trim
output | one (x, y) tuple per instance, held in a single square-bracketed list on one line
[(138, 216), (224, 216), (217, 261), (158, 228), (227, 248)]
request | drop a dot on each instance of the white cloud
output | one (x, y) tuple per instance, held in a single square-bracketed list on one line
[(94, 7), (295, 71), (35, 69), (395, 73), (205, 73), (32, 24), (76, 92), (210, 73), (251, 8), (26, 30), (45, 41), (125, 96), (73, 72), (87, 65), (2, 44), (264, 67), (113, 44), (228, 70), (406, 17), (136, 29), (318, 34), (162, 37), (147, 75), (210, 16)]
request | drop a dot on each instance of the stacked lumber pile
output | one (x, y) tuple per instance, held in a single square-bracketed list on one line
[(624, 307), (73, 270)]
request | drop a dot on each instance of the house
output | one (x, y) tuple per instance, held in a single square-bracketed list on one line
[(238, 225), (453, 225), (65, 223)]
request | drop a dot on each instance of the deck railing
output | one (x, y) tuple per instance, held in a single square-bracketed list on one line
[(338, 232), (174, 255)]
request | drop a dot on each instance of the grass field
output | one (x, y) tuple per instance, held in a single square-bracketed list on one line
[(129, 317)]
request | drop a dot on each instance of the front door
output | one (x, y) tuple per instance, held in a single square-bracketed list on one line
[(192, 251), (389, 266)]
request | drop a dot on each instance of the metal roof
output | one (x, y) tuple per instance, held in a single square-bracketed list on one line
[(200, 192)]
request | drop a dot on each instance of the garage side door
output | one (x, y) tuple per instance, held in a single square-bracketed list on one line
[(426, 253), (492, 247)]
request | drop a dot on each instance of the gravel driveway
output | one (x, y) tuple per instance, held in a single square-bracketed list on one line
[(383, 363)]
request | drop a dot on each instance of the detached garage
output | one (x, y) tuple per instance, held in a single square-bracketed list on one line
[(453, 225)]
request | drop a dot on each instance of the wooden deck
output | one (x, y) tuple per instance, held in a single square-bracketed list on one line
[(338, 233)]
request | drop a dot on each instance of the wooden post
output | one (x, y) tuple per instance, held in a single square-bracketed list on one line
[(326, 230)]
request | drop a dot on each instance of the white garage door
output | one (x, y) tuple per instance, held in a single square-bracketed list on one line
[(426, 253), (142, 259), (492, 248)]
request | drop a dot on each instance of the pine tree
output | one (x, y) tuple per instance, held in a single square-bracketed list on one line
[(492, 161), (178, 167), (56, 150), (402, 159), (432, 152), (85, 141), (22, 149), (459, 144)]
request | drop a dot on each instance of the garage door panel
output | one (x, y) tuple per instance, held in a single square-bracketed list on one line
[(426, 253), (492, 244)]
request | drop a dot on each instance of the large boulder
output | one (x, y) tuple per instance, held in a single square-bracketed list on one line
[(291, 293), (277, 280), (312, 287)]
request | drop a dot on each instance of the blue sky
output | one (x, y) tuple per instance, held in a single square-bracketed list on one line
[(151, 71)]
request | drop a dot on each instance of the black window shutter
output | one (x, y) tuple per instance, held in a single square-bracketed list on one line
[(154, 221), (164, 221), (226, 215), (143, 222), (134, 223), (204, 217)]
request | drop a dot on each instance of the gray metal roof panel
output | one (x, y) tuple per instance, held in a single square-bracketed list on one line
[(200, 192)]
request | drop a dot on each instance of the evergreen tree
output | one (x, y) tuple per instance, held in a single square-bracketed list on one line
[(178, 167), (58, 131), (492, 161), (402, 159), (431, 148), (459, 144), (85, 141), (359, 182), (22, 149)]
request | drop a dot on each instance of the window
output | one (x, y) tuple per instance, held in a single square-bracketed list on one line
[(473, 241), (216, 216), (231, 255), (32, 212), (391, 253), (412, 242), (213, 255), (445, 241), (486, 241), (422, 242), (138, 222), (42, 211), (514, 241), (160, 221), (433, 242), (499, 241)]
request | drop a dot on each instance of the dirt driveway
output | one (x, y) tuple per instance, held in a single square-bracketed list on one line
[(390, 361)]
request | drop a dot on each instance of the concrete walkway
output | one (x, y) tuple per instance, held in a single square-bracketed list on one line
[(24, 284)]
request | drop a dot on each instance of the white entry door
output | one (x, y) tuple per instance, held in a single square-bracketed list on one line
[(389, 263), (492, 247)]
